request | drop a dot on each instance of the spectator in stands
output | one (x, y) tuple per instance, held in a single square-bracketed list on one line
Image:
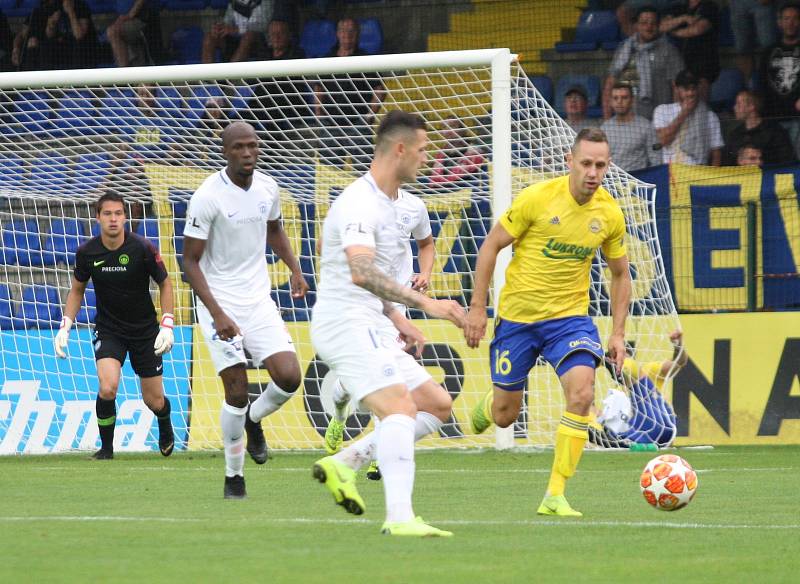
[(766, 135), (688, 130), (59, 34), (6, 43), (749, 155), (346, 106), (780, 71), (279, 104), (457, 160), (753, 23), (646, 61), (209, 129), (576, 101), (279, 43), (694, 28), (631, 137), (135, 36), (239, 32), (627, 11)]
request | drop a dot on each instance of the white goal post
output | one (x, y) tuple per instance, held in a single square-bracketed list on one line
[(152, 134)]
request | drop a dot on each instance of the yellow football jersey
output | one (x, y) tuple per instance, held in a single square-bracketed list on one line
[(650, 369), (555, 240)]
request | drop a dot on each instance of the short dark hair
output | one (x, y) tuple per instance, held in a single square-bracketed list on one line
[(686, 78), (622, 85), (396, 122), (644, 9), (758, 101), (748, 146), (787, 5), (109, 196), (590, 135)]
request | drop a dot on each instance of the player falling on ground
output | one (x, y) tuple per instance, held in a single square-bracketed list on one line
[(556, 226), (642, 415), (121, 264), (356, 296), (433, 402), (229, 219)]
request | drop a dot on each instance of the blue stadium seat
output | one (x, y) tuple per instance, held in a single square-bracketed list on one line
[(88, 310), (91, 171), (21, 242), (41, 308), (12, 170), (724, 89), (102, 6), (594, 28), (148, 228), (370, 38), (18, 8), (218, 4), (591, 83), (6, 308), (66, 235), (76, 114), (545, 86), (184, 5), (186, 45), (33, 112), (49, 173), (318, 38)]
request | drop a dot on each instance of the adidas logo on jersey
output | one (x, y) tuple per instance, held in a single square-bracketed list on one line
[(555, 221)]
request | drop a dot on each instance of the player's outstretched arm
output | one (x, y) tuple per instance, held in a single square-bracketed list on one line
[(193, 249), (73, 304), (279, 243), (409, 334), (165, 338), (367, 275), (620, 302), (426, 252), (475, 327)]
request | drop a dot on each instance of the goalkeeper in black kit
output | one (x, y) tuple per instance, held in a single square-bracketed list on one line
[(121, 264)]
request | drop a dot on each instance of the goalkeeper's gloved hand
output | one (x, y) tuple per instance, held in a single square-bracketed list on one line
[(165, 338), (62, 336)]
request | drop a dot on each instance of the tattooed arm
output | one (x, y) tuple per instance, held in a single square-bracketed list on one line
[(367, 275)]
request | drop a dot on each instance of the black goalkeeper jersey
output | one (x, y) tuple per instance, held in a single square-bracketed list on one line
[(122, 284)]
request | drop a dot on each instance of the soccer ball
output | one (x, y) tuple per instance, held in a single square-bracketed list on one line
[(668, 482)]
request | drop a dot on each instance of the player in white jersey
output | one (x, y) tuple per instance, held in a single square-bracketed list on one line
[(229, 219), (356, 295), (433, 402)]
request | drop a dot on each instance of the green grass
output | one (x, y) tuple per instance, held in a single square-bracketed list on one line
[(147, 519)]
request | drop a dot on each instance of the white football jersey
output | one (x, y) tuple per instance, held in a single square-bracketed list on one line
[(233, 222), (412, 221), (361, 215)]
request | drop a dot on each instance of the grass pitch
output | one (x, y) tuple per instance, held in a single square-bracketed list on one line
[(142, 518)]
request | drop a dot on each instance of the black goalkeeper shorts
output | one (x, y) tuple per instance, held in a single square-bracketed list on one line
[(144, 361)]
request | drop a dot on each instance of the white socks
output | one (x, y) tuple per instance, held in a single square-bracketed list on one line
[(341, 401), (426, 424), (395, 450), (232, 421), (362, 451), (270, 400)]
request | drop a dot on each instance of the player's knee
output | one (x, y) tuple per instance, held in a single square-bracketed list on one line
[(504, 414), (288, 381), (433, 399), (443, 406), (107, 392)]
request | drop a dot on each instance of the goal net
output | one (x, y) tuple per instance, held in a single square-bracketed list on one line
[(152, 134)]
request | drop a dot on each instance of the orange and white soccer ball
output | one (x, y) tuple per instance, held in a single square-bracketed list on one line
[(668, 482)]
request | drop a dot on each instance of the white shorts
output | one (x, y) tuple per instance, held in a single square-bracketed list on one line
[(365, 356), (263, 334)]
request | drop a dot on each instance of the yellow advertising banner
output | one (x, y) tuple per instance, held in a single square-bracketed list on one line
[(741, 386)]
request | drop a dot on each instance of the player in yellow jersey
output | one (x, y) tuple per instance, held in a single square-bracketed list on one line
[(556, 226)]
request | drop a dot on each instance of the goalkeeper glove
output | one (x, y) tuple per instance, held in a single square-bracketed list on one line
[(165, 338), (62, 336)]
